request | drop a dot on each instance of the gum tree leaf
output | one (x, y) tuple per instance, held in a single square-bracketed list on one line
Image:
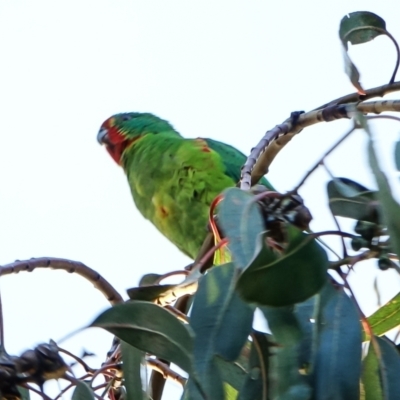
[(386, 318), (282, 279), (221, 321), (241, 221), (351, 200), (358, 27), (338, 353), (162, 335), (131, 363), (381, 369), (284, 373), (83, 392)]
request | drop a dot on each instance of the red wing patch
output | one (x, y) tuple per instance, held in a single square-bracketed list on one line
[(203, 145), (163, 212)]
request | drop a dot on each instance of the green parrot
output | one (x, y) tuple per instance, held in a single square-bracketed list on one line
[(173, 180)]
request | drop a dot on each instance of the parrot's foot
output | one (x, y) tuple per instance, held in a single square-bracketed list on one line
[(294, 116)]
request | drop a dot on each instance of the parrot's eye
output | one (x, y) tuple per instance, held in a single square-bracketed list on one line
[(126, 117)]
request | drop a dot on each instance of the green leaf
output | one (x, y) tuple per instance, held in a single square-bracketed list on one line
[(356, 28), (211, 381), (397, 155), (256, 384), (230, 393), (24, 393), (231, 373), (386, 318), (149, 293), (83, 392), (390, 208), (286, 380), (149, 279), (352, 72), (371, 379), (221, 322), (131, 363), (351, 200), (166, 294), (338, 353), (360, 27), (279, 280), (381, 371), (348, 188), (150, 328), (307, 315), (241, 221)]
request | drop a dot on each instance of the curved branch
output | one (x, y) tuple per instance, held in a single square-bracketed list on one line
[(378, 91), (70, 266), (262, 155), (396, 68)]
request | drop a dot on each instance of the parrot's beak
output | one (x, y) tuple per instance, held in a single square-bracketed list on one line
[(102, 136), (115, 150)]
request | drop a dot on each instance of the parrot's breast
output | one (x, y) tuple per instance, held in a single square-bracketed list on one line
[(173, 182)]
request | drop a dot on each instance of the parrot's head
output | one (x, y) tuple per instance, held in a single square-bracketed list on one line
[(121, 131)]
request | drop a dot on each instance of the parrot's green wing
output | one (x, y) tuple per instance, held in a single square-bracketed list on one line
[(233, 160), (173, 180)]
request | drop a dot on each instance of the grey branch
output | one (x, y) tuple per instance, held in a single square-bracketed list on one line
[(379, 91), (262, 155), (67, 265)]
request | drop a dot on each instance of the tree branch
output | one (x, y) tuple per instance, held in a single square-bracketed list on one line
[(379, 91), (262, 155), (70, 266), (165, 371)]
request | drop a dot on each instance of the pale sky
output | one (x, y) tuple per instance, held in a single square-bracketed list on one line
[(229, 70)]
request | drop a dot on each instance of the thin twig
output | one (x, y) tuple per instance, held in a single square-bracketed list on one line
[(378, 295), (200, 264), (396, 45), (76, 381), (344, 249), (77, 359), (178, 314), (379, 91), (321, 160), (352, 260), (165, 371), (263, 367), (333, 232), (383, 117), (65, 390), (40, 393), (66, 265), (100, 386), (104, 368)]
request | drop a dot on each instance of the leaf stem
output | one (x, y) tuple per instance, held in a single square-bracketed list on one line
[(77, 359), (352, 260)]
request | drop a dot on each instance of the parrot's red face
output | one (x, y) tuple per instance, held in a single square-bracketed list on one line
[(120, 131), (113, 138)]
